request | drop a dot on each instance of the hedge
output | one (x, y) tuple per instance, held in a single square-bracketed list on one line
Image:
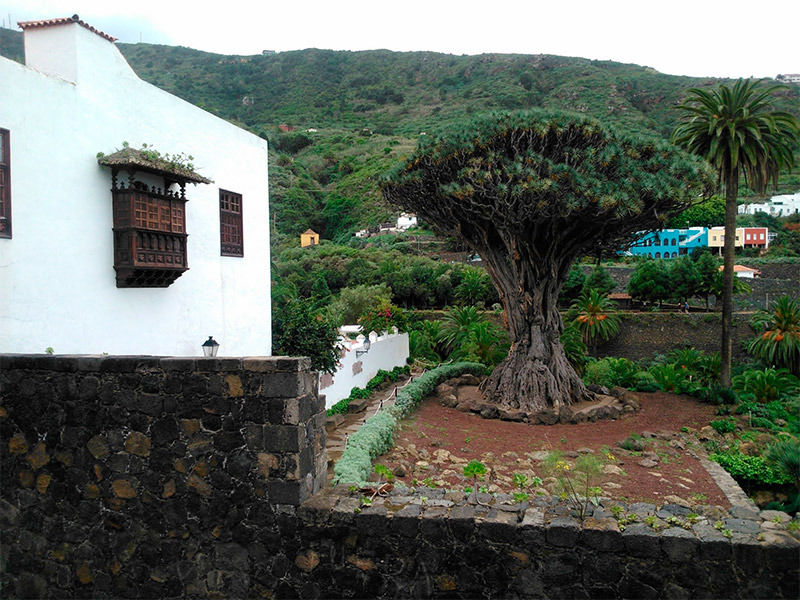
[(375, 437)]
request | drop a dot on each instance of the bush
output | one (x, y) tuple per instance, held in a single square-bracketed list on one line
[(299, 330), (751, 468), (784, 457), (768, 385), (645, 382), (779, 340), (724, 425), (610, 372)]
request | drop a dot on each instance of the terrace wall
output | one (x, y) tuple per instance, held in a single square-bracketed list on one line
[(146, 477)]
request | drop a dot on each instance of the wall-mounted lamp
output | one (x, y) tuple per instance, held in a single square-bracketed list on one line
[(364, 349), (210, 347)]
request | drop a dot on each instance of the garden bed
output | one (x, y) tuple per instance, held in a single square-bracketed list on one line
[(435, 443)]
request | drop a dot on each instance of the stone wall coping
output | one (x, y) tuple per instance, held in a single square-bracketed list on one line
[(501, 516), (131, 363)]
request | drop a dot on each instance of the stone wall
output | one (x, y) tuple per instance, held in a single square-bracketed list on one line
[(140, 477), (643, 334), (440, 544), (149, 477)]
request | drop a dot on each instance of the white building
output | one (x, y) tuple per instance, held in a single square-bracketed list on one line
[(79, 277), (360, 361), (777, 206), (406, 221)]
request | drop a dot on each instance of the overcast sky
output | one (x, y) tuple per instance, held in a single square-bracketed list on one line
[(719, 38)]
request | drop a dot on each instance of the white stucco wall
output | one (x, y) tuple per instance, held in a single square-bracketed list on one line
[(385, 352), (57, 281)]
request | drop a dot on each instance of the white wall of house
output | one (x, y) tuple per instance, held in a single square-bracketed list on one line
[(356, 368), (57, 281), (777, 206)]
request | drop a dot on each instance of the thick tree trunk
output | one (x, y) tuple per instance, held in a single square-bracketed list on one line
[(536, 375), (731, 192)]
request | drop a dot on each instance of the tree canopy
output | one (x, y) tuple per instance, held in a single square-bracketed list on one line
[(530, 192)]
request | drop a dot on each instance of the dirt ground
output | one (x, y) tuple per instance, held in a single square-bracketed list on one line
[(434, 444)]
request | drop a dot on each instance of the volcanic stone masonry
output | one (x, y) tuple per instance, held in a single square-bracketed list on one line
[(147, 477)]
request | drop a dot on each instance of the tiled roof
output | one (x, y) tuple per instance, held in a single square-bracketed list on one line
[(136, 159), (64, 21)]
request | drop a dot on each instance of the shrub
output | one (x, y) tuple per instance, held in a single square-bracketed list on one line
[(299, 330), (383, 318), (645, 382), (779, 340), (767, 385), (784, 456), (751, 468), (724, 425), (574, 348), (610, 372), (594, 317)]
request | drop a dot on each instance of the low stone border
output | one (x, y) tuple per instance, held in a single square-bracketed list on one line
[(609, 404)]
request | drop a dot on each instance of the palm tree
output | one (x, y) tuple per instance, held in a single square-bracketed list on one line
[(736, 131), (595, 318)]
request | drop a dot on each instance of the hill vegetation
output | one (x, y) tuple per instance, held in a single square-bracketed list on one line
[(369, 108)]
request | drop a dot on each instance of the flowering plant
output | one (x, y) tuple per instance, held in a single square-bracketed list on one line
[(383, 318)]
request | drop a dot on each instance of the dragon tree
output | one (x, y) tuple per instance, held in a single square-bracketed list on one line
[(531, 192)]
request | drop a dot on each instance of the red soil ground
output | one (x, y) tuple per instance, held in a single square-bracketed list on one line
[(506, 448)]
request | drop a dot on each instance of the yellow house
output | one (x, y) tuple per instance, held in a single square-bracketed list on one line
[(716, 237), (309, 238)]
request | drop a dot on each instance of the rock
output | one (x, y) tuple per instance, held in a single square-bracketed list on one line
[(632, 443), (469, 379), (444, 389), (680, 506), (489, 411), (547, 417), (464, 406), (612, 470), (585, 450), (749, 449), (399, 471), (648, 435), (512, 415), (598, 389), (449, 400), (775, 515), (677, 444), (706, 433), (647, 463)]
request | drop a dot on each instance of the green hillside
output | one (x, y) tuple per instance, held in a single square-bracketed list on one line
[(368, 109)]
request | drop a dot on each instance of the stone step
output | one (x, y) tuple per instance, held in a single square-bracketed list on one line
[(357, 405)]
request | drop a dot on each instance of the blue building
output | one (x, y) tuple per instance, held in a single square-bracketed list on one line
[(669, 243)]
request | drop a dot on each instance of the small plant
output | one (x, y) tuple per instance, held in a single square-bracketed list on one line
[(652, 522), (578, 483), (684, 429), (49, 350), (723, 426), (793, 526), (674, 521), (475, 469), (616, 510), (520, 496), (383, 471)]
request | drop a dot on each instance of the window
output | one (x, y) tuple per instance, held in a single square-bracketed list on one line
[(230, 224), (5, 184)]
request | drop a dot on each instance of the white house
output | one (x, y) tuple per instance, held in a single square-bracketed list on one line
[(129, 254), (406, 221), (777, 206), (361, 359)]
